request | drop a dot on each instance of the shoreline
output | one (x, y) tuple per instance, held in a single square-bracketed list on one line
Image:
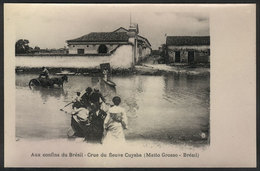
[(142, 69)]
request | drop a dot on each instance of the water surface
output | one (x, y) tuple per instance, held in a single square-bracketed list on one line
[(173, 108)]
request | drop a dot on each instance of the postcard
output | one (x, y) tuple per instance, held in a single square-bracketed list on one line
[(130, 85)]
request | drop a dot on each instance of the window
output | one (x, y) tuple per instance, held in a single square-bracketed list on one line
[(81, 51), (102, 49), (177, 56)]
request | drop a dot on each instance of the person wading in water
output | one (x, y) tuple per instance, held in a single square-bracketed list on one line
[(96, 127), (115, 123)]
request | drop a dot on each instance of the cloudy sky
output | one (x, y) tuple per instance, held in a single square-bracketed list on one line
[(50, 25)]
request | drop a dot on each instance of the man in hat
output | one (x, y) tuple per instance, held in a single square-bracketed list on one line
[(85, 99), (96, 97)]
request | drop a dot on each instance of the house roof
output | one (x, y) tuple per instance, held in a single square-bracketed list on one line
[(187, 40), (118, 35), (141, 37), (102, 37), (121, 29)]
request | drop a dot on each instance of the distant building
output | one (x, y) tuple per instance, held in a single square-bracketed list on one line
[(155, 52), (122, 49), (188, 49), (105, 43)]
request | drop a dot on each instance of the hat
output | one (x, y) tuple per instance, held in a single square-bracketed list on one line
[(89, 89), (116, 100)]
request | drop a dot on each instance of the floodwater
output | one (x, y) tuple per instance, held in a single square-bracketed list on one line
[(172, 108)]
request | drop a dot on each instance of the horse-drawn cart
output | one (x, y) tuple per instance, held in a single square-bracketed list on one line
[(48, 82)]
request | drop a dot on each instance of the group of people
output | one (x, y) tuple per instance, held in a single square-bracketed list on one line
[(96, 120)]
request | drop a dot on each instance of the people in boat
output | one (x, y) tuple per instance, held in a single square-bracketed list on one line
[(44, 73), (89, 106), (96, 127), (76, 101), (115, 123), (97, 97), (79, 123), (85, 98)]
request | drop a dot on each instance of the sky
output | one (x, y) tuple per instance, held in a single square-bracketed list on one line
[(50, 25)]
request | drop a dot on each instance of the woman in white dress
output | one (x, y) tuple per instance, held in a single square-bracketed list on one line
[(115, 123)]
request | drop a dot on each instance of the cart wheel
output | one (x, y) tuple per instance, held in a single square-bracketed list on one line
[(34, 83)]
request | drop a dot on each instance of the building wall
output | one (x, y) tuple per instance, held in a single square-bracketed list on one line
[(120, 59), (140, 51), (143, 52), (201, 53), (90, 49), (147, 51)]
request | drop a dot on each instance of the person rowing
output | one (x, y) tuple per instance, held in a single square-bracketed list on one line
[(76, 101), (105, 73)]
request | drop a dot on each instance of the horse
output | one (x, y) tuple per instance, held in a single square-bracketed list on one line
[(60, 81), (48, 82)]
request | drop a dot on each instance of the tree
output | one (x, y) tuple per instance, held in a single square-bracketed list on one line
[(37, 48), (22, 46)]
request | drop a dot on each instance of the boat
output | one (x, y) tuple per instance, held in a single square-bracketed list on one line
[(110, 83), (105, 68), (77, 129), (79, 126)]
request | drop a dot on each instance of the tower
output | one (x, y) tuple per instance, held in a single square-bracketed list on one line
[(132, 33)]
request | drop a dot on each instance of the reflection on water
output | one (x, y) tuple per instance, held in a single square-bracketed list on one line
[(172, 108), (45, 93)]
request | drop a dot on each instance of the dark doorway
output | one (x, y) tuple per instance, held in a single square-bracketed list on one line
[(81, 51), (177, 56), (191, 56), (104, 66), (102, 49)]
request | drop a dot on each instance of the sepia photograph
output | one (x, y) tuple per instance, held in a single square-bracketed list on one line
[(124, 80), (108, 81)]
